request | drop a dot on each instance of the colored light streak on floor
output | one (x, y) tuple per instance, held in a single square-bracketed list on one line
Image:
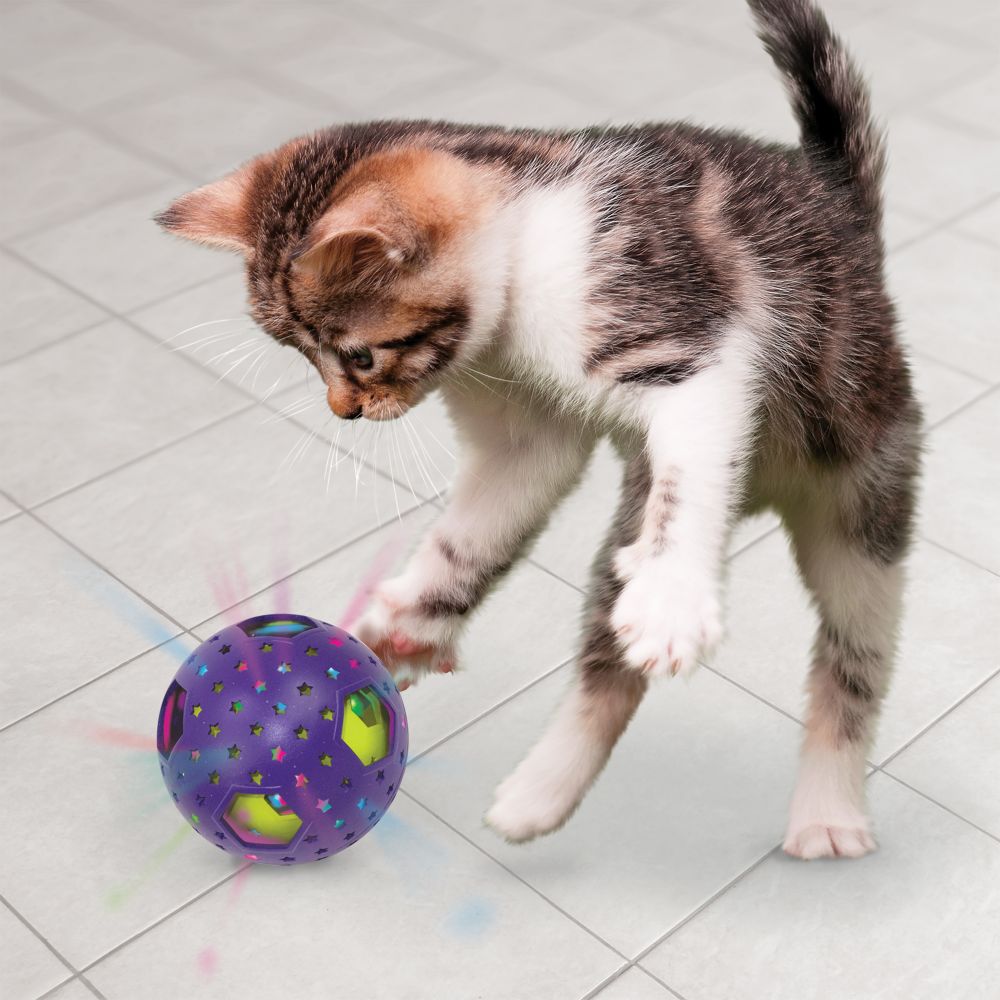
[(119, 895)]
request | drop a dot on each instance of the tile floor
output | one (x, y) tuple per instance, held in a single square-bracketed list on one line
[(147, 493)]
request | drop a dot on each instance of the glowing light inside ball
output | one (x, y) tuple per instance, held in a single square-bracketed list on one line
[(262, 819), (367, 726)]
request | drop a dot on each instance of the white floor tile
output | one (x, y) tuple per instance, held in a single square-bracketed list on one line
[(206, 522), (108, 852), (634, 985), (938, 170), (983, 223), (36, 170), (138, 263), (973, 104), (83, 407), (73, 990), (37, 310), (694, 793), (962, 482), (942, 390), (18, 121), (510, 641), (955, 762), (630, 64), (944, 288), (216, 124), (443, 920), (80, 62), (210, 324), (8, 508), (27, 967), (82, 622), (948, 641), (917, 919)]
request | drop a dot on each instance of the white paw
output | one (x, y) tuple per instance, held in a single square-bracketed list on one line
[(409, 644), (821, 841), (628, 560), (526, 806), (666, 618)]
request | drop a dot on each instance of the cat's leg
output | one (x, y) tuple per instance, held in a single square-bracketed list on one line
[(516, 464), (697, 434), (849, 544), (548, 785)]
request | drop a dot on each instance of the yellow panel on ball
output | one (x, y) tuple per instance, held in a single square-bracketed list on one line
[(261, 819), (367, 725)]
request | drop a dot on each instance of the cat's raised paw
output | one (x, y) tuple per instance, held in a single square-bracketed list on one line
[(666, 619)]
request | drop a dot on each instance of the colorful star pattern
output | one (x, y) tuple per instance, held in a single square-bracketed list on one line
[(217, 687), (256, 777), (260, 686), (312, 651), (236, 707), (225, 649), (332, 674), (326, 760), (323, 805), (362, 802), (214, 729), (195, 754), (339, 823), (266, 647), (327, 713), (202, 670), (241, 667), (214, 777), (302, 733), (234, 752), (196, 710), (284, 668), (301, 781), (256, 729), (278, 754), (279, 708), (304, 689)]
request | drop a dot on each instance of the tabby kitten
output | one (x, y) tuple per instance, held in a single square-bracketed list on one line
[(713, 304)]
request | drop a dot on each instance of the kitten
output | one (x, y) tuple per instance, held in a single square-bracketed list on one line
[(713, 304)]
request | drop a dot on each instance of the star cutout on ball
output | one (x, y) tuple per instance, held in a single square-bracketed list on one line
[(194, 819), (236, 707), (217, 687), (380, 776), (214, 729), (266, 647), (279, 708), (195, 754), (278, 754), (301, 781), (241, 667), (322, 850), (234, 752), (287, 858), (362, 802), (312, 651), (200, 800), (256, 729), (311, 839), (332, 674), (284, 668), (196, 710), (302, 733), (326, 713), (202, 670), (304, 689), (260, 686), (214, 777), (345, 782), (334, 641), (326, 760), (353, 664), (256, 777), (323, 805), (225, 649), (338, 823)]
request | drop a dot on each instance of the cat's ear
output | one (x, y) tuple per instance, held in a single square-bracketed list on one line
[(367, 239), (215, 215)]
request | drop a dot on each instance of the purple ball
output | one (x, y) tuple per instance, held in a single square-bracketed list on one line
[(282, 739)]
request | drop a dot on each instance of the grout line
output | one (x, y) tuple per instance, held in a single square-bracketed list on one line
[(771, 851), (489, 711), (512, 873), (989, 390), (680, 996), (938, 227), (940, 805), (38, 934), (957, 555), (159, 920), (55, 989), (881, 765), (606, 982), (950, 365), (95, 679), (57, 342)]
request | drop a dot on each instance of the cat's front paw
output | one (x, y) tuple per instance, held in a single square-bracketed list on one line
[(407, 641), (666, 618)]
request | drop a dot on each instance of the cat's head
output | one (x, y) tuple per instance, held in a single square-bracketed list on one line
[(377, 275)]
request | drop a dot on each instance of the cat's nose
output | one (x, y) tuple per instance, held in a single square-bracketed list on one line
[(346, 409), (353, 415)]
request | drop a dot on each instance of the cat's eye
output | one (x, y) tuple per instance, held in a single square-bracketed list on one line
[(361, 359)]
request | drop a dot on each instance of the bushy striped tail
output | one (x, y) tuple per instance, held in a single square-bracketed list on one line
[(829, 97)]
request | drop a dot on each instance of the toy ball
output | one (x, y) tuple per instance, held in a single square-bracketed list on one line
[(282, 739)]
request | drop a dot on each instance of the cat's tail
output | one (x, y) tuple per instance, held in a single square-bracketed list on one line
[(829, 97)]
